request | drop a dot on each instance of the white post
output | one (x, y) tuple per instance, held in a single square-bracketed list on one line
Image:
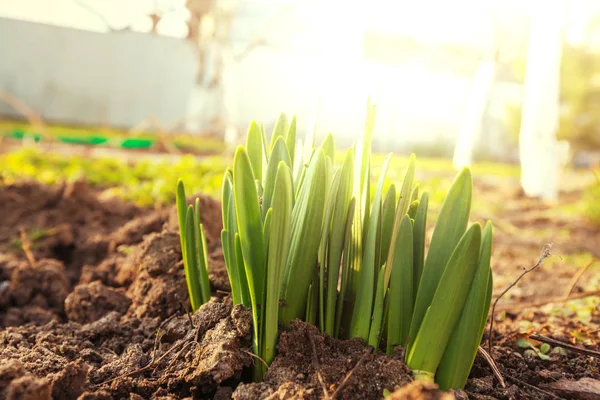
[(230, 106), (539, 150), (224, 16), (471, 126)]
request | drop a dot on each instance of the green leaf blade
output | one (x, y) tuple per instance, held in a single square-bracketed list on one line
[(460, 353), (245, 288), (307, 219), (279, 153), (375, 330), (190, 261), (387, 222), (401, 210), (181, 203), (448, 231), (401, 287), (278, 252), (232, 271), (280, 130), (329, 146), (290, 141), (337, 238), (254, 147), (419, 232), (203, 267), (347, 258), (444, 311), (363, 307), (249, 223), (325, 243)]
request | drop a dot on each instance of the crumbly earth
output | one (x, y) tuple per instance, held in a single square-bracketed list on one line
[(311, 363), (101, 310), (96, 308)]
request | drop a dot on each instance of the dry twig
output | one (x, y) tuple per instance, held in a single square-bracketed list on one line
[(98, 15), (527, 385), (153, 360), (188, 313), (545, 254), (492, 365), (147, 366), (251, 354), (26, 246), (576, 277), (174, 359), (317, 367), (569, 346)]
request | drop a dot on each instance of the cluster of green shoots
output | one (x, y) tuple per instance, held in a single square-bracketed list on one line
[(303, 238)]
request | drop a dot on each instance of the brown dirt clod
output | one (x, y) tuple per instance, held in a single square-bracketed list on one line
[(36, 293), (71, 381), (28, 387), (159, 288), (89, 302)]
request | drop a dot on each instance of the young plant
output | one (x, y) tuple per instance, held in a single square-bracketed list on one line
[(263, 227), (193, 249), (303, 238)]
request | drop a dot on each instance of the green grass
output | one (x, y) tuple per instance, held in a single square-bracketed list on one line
[(444, 166), (146, 182), (151, 183)]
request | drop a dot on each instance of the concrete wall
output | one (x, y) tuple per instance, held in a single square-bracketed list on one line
[(82, 77)]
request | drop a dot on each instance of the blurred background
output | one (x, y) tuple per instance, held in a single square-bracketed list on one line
[(508, 81), (202, 65)]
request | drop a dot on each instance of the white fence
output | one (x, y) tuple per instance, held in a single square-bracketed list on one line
[(82, 77)]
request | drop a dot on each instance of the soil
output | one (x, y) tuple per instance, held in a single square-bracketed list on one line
[(97, 309), (311, 363)]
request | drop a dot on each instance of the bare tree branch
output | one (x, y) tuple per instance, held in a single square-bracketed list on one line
[(100, 16)]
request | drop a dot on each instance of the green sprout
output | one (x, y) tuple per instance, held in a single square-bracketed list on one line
[(193, 249), (544, 352), (34, 237), (304, 238)]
